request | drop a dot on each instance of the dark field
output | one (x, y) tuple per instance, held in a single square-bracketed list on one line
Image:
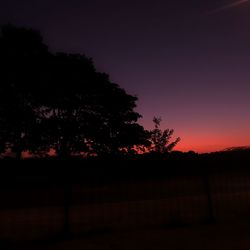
[(207, 237), (116, 208)]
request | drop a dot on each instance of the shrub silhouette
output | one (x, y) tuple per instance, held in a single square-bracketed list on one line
[(160, 139)]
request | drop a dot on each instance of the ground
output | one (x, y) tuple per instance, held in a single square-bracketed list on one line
[(214, 236)]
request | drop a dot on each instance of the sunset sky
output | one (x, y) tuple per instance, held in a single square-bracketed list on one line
[(188, 61)]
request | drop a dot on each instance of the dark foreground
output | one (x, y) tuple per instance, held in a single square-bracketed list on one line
[(181, 202), (208, 237)]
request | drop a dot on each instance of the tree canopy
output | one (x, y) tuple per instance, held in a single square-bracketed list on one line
[(21, 53), (60, 101)]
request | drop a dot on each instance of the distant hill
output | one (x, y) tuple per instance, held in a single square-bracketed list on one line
[(237, 149)]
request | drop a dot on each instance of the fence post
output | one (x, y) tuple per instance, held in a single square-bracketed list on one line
[(207, 188), (67, 186)]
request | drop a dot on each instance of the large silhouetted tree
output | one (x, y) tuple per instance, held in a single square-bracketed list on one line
[(59, 101), (85, 111)]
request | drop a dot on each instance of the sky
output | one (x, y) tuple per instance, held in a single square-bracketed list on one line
[(187, 61)]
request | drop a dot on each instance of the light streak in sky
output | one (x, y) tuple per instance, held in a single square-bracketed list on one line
[(228, 6)]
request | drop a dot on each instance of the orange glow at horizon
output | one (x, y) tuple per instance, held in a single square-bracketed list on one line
[(210, 143), (206, 133)]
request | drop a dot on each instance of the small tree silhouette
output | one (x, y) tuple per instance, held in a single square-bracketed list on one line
[(160, 139)]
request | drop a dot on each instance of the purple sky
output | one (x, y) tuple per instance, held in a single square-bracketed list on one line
[(187, 61)]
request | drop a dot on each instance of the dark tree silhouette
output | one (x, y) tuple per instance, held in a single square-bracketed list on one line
[(85, 111), (21, 53), (160, 139), (59, 101)]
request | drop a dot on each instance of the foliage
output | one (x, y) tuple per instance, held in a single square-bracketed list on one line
[(160, 139), (60, 101), (21, 53)]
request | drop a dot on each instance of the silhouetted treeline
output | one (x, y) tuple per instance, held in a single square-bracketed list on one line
[(106, 169)]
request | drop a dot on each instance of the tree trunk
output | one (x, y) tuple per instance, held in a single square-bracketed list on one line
[(63, 151), (18, 154), (67, 186), (211, 217), (18, 147)]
